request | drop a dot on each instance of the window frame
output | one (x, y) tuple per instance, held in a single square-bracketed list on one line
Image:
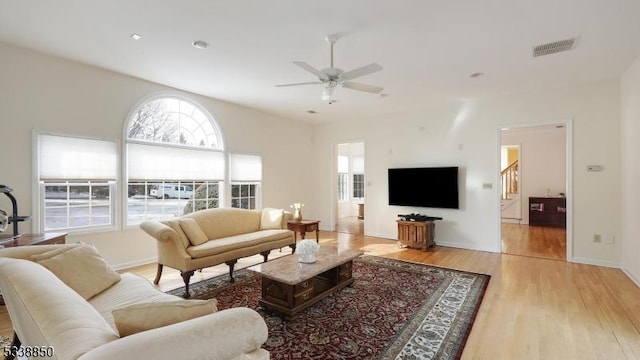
[(256, 196), (38, 202), (358, 185), (127, 220)]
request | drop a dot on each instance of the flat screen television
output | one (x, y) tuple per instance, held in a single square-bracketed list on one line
[(431, 187)]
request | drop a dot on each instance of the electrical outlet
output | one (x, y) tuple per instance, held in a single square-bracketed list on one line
[(597, 238)]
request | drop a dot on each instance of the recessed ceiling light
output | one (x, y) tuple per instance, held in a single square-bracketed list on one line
[(135, 36), (199, 44), (312, 112), (476, 75)]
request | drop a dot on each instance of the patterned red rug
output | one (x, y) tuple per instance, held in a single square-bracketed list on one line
[(394, 310)]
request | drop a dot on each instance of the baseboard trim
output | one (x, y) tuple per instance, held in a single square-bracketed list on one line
[(595, 262), (458, 245), (381, 235), (511, 221), (130, 264), (631, 276)]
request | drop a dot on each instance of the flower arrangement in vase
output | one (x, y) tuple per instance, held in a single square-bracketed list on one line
[(297, 211), (307, 251)]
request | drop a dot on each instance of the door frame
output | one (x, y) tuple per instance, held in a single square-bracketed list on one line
[(568, 124)]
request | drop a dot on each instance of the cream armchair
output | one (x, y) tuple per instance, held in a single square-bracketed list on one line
[(214, 236)]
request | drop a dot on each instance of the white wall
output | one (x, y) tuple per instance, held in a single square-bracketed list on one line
[(630, 143), (54, 95), (465, 134), (543, 166)]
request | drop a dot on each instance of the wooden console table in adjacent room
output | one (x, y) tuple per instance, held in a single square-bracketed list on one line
[(34, 239), (417, 234)]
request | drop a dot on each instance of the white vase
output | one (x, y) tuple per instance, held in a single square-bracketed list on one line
[(297, 214), (307, 251)]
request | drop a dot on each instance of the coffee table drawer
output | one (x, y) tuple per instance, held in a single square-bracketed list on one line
[(303, 286), (302, 298)]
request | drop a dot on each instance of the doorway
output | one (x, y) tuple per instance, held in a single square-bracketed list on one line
[(534, 178), (350, 188)]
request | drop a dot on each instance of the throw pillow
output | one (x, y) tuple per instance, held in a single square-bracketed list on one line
[(271, 218), (193, 231), (81, 268), (141, 317)]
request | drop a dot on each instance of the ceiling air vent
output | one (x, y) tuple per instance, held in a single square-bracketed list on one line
[(554, 47)]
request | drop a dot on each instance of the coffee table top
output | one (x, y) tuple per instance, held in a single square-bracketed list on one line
[(289, 270)]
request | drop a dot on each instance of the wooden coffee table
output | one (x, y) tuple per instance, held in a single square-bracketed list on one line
[(289, 286)]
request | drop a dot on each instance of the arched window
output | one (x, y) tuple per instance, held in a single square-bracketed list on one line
[(175, 159)]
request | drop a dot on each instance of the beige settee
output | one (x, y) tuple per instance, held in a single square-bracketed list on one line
[(53, 320), (214, 236)]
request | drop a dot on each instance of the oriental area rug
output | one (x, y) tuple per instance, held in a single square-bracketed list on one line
[(393, 310)]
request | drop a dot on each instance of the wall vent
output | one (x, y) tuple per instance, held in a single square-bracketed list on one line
[(554, 47)]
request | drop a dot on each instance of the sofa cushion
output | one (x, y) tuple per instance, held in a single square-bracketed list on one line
[(237, 242), (222, 222), (141, 317), (81, 268), (130, 290), (271, 218), (193, 231)]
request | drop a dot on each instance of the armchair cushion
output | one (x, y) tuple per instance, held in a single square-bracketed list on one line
[(81, 268), (271, 219), (141, 317), (193, 231)]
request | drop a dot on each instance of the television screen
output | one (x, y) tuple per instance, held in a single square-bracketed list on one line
[(432, 187)]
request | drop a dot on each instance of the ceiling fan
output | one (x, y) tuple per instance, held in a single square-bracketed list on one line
[(332, 77)]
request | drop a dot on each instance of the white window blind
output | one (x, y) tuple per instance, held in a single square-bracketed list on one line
[(358, 165), (62, 157), (164, 162), (245, 167), (343, 164)]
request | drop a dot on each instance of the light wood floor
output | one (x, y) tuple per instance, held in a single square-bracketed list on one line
[(533, 308), (536, 241)]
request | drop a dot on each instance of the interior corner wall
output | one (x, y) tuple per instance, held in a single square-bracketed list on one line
[(630, 149), (465, 133), (54, 95)]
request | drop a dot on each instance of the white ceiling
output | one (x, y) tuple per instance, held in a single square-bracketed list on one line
[(428, 48)]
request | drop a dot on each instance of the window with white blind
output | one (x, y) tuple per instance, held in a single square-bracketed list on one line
[(343, 178), (245, 175), (175, 160), (357, 169), (76, 182)]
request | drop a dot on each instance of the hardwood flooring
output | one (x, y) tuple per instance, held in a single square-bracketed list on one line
[(533, 309), (536, 241)]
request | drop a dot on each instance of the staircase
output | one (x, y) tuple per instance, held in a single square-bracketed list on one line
[(510, 193)]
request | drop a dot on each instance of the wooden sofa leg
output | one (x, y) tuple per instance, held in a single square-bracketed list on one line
[(231, 264), (265, 255), (158, 274), (293, 247), (186, 276)]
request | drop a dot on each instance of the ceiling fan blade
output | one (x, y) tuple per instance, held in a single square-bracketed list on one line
[(362, 87), (304, 83), (361, 71), (312, 70)]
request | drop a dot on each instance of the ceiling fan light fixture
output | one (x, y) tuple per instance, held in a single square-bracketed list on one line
[(327, 93)]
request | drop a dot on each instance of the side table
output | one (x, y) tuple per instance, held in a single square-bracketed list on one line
[(302, 227), (34, 239)]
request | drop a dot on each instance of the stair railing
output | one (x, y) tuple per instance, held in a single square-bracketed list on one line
[(510, 180)]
